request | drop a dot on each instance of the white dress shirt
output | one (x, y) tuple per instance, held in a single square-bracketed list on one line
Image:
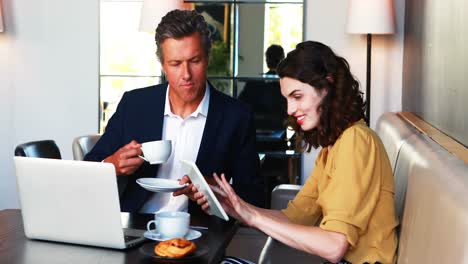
[(186, 135)]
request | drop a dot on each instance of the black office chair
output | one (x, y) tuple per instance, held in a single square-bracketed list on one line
[(39, 149)]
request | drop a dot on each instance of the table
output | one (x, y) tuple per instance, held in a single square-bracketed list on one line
[(16, 248)]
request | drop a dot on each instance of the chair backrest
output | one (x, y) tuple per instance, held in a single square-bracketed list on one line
[(39, 149), (282, 194), (82, 145)]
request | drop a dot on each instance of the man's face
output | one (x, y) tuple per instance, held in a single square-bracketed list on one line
[(185, 64)]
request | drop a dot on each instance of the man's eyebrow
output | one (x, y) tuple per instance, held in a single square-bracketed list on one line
[(173, 60), (194, 59), (197, 56)]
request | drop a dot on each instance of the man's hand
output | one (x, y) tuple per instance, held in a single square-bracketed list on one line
[(190, 190), (126, 160), (230, 201)]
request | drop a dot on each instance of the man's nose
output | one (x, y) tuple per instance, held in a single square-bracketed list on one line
[(186, 74)]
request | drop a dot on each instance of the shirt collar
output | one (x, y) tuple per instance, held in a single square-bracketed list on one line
[(201, 109)]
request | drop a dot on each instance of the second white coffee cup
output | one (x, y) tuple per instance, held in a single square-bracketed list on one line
[(170, 224)]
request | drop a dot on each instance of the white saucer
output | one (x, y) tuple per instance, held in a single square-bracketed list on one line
[(191, 235), (160, 185)]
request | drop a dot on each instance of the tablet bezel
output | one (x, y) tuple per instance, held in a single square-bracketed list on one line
[(197, 178)]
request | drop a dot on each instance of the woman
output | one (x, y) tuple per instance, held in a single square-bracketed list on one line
[(350, 191)]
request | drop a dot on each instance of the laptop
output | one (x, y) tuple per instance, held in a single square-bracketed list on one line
[(73, 202)]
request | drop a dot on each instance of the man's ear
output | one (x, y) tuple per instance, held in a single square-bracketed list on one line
[(330, 79)]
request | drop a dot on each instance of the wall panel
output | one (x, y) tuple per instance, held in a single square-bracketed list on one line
[(435, 72)]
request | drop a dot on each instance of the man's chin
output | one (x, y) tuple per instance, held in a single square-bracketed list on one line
[(192, 98)]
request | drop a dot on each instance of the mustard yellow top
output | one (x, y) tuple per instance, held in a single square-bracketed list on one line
[(351, 187)]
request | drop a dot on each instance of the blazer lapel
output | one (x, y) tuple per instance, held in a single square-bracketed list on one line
[(155, 119), (212, 123)]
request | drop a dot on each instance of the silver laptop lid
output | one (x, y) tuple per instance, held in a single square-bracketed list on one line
[(70, 201)]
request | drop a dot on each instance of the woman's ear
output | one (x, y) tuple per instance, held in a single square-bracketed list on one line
[(324, 92)]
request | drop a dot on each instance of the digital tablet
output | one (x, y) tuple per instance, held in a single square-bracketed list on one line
[(197, 178)]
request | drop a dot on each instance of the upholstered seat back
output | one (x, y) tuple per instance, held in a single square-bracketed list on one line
[(434, 225), (393, 131)]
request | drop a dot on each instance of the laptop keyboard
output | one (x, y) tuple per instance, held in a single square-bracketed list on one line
[(130, 238)]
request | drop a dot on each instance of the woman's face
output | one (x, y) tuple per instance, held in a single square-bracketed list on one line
[(303, 102)]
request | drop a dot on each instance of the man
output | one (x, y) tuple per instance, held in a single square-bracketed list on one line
[(204, 125), (274, 55), (264, 96)]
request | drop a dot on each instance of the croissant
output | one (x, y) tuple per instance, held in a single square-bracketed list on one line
[(175, 248)]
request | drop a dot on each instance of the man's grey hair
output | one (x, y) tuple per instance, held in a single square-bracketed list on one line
[(181, 23)]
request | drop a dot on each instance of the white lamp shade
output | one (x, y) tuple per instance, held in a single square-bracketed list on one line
[(1, 17), (153, 10), (371, 16)]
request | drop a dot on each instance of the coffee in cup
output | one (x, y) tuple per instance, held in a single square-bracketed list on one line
[(170, 224), (156, 152)]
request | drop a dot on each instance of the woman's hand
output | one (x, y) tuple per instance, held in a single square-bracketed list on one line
[(231, 202)]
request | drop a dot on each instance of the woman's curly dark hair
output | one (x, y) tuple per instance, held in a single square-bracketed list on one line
[(317, 65)]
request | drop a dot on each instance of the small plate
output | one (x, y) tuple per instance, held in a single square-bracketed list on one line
[(191, 235), (148, 250), (160, 185)]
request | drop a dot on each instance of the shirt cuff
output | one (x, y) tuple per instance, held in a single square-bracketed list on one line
[(350, 231)]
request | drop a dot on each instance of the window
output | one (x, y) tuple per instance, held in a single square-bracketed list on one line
[(127, 56), (241, 33)]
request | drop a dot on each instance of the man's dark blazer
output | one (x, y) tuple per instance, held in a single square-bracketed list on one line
[(227, 145)]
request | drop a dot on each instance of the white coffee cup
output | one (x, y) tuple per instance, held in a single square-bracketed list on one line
[(156, 152), (170, 224)]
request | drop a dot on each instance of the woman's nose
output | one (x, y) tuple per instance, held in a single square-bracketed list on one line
[(291, 108)]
